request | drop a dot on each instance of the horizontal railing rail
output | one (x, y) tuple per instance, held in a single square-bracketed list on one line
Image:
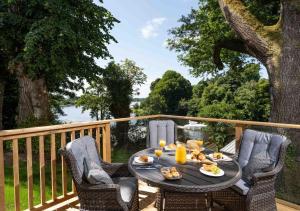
[(100, 130)]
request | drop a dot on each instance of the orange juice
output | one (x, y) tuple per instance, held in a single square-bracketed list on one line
[(162, 143), (158, 152), (180, 155)]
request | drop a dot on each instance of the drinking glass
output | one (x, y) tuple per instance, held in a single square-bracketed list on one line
[(158, 153), (162, 143)]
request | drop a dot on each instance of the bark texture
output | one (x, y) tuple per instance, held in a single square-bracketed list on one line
[(33, 99), (278, 48)]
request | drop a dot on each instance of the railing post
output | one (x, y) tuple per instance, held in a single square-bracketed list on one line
[(29, 172), (238, 135), (53, 167), (2, 193), (16, 174), (106, 143)]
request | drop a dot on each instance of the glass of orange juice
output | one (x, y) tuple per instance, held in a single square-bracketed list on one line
[(180, 155), (158, 153), (162, 143)]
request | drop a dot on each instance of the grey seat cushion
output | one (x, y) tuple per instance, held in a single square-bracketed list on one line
[(128, 186), (161, 129), (242, 187), (258, 151), (95, 174), (84, 147)]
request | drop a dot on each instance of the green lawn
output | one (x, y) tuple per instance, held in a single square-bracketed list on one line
[(118, 155), (9, 184)]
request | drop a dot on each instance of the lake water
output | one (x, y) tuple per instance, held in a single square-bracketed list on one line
[(73, 114)]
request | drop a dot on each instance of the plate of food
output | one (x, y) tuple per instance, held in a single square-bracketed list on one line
[(218, 156), (198, 157), (211, 170), (143, 159), (170, 147), (170, 173)]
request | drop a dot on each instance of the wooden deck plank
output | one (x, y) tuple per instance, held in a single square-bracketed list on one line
[(147, 196)]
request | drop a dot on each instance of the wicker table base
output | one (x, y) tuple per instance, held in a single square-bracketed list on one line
[(167, 200)]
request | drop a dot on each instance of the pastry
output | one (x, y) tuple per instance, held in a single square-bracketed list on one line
[(143, 158)]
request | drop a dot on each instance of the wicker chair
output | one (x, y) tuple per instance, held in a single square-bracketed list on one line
[(259, 192), (102, 196)]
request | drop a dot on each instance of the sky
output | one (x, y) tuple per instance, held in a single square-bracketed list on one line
[(142, 33)]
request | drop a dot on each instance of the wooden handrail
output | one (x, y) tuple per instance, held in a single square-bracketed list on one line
[(100, 130)]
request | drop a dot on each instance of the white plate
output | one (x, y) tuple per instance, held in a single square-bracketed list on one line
[(224, 158), (208, 173), (150, 160), (167, 148)]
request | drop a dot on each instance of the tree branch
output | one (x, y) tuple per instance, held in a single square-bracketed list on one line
[(248, 28), (230, 44)]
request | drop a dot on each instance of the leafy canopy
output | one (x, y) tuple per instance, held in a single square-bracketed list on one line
[(205, 27), (112, 93), (56, 40), (166, 95)]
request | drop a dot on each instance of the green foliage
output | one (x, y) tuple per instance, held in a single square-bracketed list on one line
[(55, 40), (96, 99), (167, 95), (112, 93), (120, 81), (238, 94), (195, 39)]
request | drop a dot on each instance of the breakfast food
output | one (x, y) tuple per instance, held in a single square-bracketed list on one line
[(172, 146), (192, 144), (211, 168), (197, 155), (144, 158), (170, 173), (217, 155)]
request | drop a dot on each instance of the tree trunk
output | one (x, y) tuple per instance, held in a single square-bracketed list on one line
[(33, 99), (2, 87), (285, 90), (278, 48)]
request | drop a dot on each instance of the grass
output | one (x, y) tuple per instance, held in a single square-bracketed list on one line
[(9, 184), (118, 155)]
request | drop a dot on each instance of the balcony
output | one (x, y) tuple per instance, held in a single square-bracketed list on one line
[(34, 177)]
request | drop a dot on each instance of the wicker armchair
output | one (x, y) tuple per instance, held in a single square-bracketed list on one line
[(103, 196), (260, 194)]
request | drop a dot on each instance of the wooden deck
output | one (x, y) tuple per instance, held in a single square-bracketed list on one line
[(147, 199)]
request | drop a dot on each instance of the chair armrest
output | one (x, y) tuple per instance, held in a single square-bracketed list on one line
[(100, 187), (101, 196), (116, 169)]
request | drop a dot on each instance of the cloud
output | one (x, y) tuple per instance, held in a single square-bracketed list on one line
[(151, 28)]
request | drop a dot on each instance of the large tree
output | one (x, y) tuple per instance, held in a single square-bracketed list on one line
[(266, 30), (51, 47), (167, 94), (121, 82)]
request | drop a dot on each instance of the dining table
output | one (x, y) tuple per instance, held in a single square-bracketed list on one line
[(193, 190)]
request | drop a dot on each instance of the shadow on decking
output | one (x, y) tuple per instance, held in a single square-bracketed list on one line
[(147, 196)]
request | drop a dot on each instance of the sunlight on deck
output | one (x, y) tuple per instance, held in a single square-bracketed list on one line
[(147, 201)]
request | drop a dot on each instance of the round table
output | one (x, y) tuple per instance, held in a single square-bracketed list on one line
[(192, 183)]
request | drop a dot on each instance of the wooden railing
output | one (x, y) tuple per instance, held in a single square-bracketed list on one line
[(100, 130)]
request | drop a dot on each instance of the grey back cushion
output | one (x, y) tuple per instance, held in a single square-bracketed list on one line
[(95, 174), (84, 147), (161, 129), (258, 150)]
